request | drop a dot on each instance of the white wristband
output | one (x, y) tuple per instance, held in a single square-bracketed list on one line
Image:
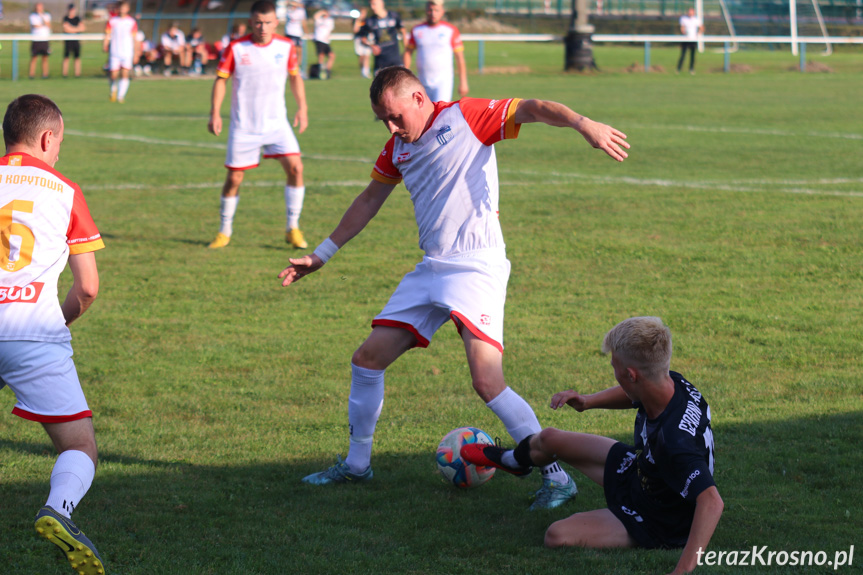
[(326, 250)]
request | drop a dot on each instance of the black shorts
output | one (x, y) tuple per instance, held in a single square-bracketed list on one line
[(322, 48), (72, 48), (297, 41), (621, 485), (40, 48)]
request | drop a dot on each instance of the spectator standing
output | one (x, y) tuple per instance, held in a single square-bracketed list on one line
[(436, 43), (72, 49), (40, 29), (690, 26), (324, 25), (361, 49), (383, 31), (295, 26)]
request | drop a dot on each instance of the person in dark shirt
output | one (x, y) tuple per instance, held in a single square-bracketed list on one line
[(383, 32), (72, 25), (660, 490)]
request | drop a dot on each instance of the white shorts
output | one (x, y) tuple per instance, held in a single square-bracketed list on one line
[(361, 49), (119, 62), (244, 150), (43, 378), (468, 288), (442, 92)]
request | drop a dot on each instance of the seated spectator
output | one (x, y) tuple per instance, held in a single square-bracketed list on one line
[(173, 45), (197, 53)]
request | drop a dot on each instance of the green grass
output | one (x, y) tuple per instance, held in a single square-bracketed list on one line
[(736, 219)]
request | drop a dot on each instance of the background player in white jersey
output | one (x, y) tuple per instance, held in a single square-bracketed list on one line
[(444, 152), (659, 491), (436, 43), (260, 65), (123, 47), (295, 25), (44, 221)]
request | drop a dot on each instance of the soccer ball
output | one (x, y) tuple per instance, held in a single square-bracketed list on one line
[(449, 462)]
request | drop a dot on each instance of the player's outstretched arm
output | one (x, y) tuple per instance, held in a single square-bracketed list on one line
[(358, 215), (708, 510), (611, 398), (214, 126), (85, 286), (608, 139)]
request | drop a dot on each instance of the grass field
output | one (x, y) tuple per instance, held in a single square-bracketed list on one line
[(737, 219)]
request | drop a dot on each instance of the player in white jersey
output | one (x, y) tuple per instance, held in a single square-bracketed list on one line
[(123, 47), (436, 43), (444, 153), (260, 65), (44, 221)]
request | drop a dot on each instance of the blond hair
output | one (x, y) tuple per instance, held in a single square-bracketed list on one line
[(642, 342)]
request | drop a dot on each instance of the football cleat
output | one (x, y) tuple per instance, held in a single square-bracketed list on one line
[(553, 494), (490, 456), (338, 473), (79, 550), (221, 241), (295, 237), (113, 96)]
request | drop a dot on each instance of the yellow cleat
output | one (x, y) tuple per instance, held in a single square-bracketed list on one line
[(295, 237), (77, 548), (113, 95), (221, 241)]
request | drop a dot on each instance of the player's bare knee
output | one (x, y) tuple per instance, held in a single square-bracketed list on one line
[(366, 358), (487, 387), (556, 536)]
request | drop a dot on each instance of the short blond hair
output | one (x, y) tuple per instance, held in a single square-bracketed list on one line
[(642, 342)]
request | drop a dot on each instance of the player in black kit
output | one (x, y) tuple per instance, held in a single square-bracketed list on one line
[(383, 31), (660, 490)]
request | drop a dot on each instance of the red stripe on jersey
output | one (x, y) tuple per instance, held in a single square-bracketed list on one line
[(82, 236), (491, 120)]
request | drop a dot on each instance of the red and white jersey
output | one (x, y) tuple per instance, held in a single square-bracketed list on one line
[(451, 174), (43, 219), (122, 32), (259, 74), (435, 46)]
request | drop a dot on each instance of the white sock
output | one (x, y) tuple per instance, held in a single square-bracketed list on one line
[(294, 196), (70, 479), (508, 458), (113, 87), (515, 413), (228, 209), (123, 88), (520, 421), (364, 408)]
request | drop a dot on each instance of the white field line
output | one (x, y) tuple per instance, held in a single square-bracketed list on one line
[(542, 176), (753, 131), (218, 185)]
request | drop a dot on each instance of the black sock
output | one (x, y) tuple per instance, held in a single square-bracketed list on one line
[(522, 452)]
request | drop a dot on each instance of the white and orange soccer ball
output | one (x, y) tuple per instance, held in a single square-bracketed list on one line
[(450, 464)]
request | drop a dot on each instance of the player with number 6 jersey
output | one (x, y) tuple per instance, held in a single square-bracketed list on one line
[(44, 221)]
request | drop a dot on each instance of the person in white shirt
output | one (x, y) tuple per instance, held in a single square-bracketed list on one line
[(40, 29), (259, 66), (324, 25), (295, 26), (45, 224), (123, 47), (436, 43), (690, 26), (173, 43), (444, 153)]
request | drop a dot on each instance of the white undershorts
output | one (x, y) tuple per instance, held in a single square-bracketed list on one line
[(119, 62), (244, 150), (43, 378), (361, 49), (469, 288)]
